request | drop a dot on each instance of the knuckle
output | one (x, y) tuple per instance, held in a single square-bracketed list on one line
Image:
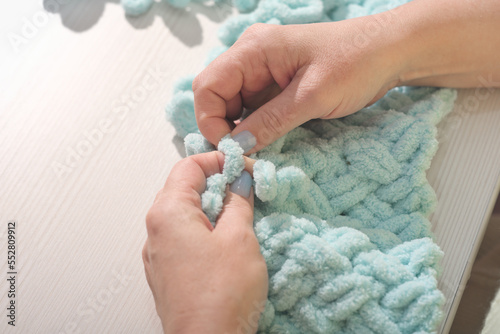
[(203, 122), (154, 255), (145, 257), (196, 83), (158, 196), (256, 29), (183, 162), (265, 43), (309, 90), (309, 96), (261, 34), (190, 197), (187, 162), (156, 220), (202, 81)]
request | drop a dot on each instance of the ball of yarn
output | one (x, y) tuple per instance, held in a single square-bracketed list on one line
[(136, 7)]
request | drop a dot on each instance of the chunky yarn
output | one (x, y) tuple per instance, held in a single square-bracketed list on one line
[(342, 206), (139, 7)]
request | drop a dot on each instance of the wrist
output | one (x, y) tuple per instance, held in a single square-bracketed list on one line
[(409, 41), (416, 38), (384, 41), (429, 46)]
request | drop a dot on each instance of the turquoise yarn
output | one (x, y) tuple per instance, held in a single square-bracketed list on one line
[(340, 215), (139, 7), (342, 206), (136, 7)]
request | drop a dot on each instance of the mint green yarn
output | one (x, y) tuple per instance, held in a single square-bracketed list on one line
[(213, 198), (341, 216), (136, 7), (342, 206), (139, 7)]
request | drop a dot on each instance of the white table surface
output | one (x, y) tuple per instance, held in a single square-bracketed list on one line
[(80, 228)]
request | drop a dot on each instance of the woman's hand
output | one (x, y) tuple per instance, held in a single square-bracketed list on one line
[(295, 73), (204, 279)]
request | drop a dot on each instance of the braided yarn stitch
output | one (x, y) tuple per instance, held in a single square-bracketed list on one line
[(342, 206)]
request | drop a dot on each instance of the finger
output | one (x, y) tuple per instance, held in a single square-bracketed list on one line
[(182, 192), (256, 100), (249, 162), (377, 97), (189, 175), (178, 205), (234, 108), (237, 211), (187, 180), (286, 111), (213, 88), (184, 186)]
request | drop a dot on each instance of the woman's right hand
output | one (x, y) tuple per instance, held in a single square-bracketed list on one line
[(291, 74)]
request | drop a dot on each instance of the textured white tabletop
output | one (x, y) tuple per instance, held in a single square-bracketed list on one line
[(84, 147)]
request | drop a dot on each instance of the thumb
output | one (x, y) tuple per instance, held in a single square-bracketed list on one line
[(283, 113), (237, 211)]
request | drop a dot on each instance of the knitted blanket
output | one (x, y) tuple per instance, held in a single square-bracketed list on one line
[(342, 206)]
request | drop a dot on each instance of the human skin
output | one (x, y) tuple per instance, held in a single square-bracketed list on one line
[(203, 279), (293, 73)]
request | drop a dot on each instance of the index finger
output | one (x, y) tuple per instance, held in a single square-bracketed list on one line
[(213, 88), (188, 176)]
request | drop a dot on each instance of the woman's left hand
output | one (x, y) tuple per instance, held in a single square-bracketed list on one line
[(204, 279)]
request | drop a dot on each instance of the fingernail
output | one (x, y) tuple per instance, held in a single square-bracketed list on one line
[(246, 140), (242, 184)]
